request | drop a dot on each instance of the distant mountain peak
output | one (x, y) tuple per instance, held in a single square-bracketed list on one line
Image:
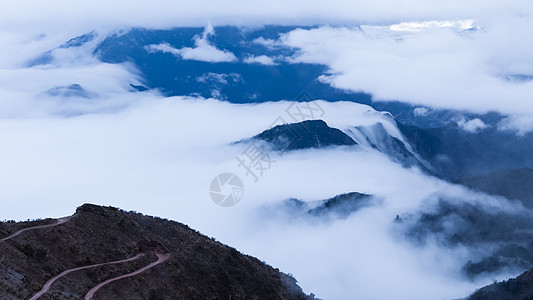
[(305, 135)]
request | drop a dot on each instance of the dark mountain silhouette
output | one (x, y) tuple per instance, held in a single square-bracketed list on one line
[(315, 134), (105, 245), (519, 288), (338, 207), (342, 205), (305, 135), (73, 90), (456, 224)]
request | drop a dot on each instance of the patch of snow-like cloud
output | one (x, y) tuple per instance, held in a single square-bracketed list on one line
[(164, 47), (520, 123), (204, 50), (261, 59), (418, 26), (221, 79), (421, 111), (472, 126), (269, 43), (215, 81)]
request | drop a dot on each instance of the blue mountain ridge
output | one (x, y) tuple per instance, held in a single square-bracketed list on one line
[(435, 135)]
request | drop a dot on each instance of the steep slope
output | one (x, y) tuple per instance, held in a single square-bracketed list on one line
[(389, 141), (135, 256), (378, 134), (519, 288)]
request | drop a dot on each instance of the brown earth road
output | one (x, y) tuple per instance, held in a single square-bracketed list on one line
[(48, 284), (59, 222), (160, 259)]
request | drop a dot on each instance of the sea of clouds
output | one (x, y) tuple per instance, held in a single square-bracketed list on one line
[(157, 155)]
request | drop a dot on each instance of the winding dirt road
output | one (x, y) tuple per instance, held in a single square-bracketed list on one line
[(59, 222), (160, 259), (48, 284)]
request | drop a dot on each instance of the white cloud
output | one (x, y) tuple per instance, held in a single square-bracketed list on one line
[(165, 48), (261, 59), (203, 51), (435, 67), (472, 126), (28, 29), (418, 26), (221, 79), (421, 111), (269, 43), (206, 52), (23, 90), (61, 15), (520, 123)]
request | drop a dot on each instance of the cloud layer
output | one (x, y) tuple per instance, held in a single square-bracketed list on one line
[(435, 66), (203, 51), (158, 155), (55, 14)]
